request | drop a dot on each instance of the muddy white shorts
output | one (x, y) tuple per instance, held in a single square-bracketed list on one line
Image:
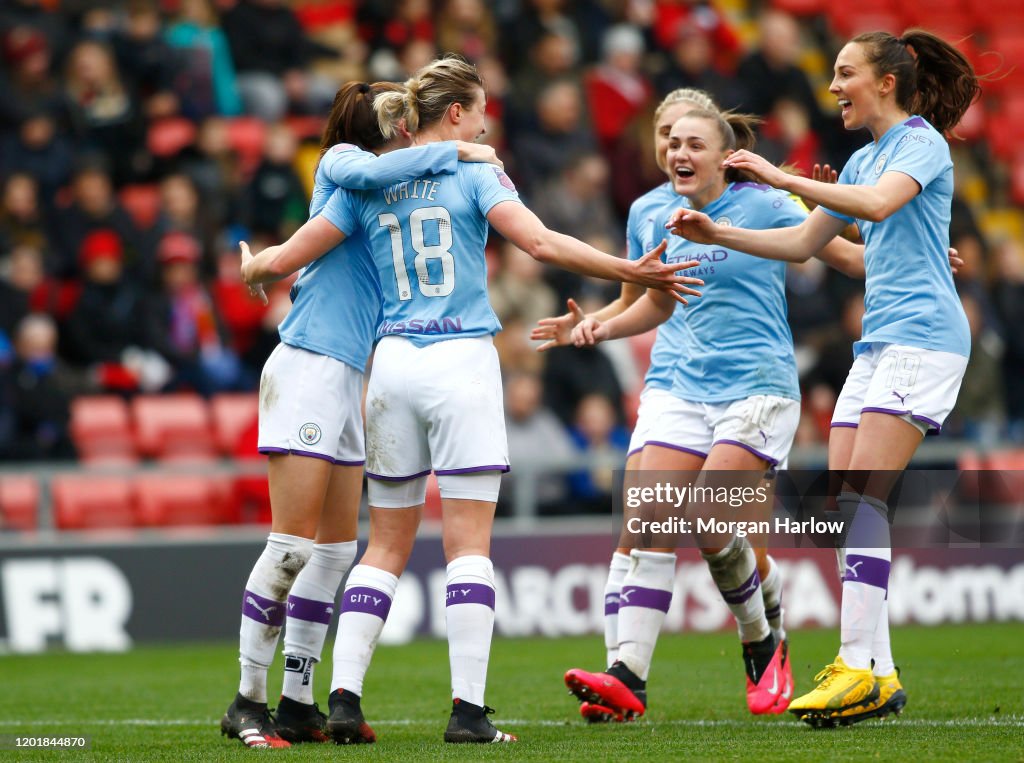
[(763, 424), (310, 406), (437, 407)]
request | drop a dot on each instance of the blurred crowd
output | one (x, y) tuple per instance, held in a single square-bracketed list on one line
[(141, 140)]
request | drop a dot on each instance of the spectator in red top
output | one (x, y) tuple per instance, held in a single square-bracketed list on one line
[(185, 324), (672, 16), (617, 89)]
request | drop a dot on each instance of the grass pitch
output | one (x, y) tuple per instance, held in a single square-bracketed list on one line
[(964, 683)]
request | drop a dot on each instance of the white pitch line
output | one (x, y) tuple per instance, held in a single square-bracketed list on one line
[(1007, 722)]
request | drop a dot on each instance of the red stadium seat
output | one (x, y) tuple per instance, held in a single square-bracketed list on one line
[(173, 426), (247, 136), (850, 20), (101, 429), (168, 137), (85, 502), (175, 499), (232, 414), (1017, 178), (19, 503), (142, 201)]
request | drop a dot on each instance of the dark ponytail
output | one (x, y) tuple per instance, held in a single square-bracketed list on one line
[(352, 118), (933, 78)]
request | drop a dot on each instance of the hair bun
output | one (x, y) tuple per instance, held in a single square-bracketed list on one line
[(364, 88)]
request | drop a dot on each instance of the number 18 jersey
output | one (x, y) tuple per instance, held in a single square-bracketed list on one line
[(427, 237)]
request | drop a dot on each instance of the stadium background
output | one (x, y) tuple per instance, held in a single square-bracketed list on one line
[(142, 140)]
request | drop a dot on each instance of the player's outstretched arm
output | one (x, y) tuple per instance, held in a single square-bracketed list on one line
[(864, 202), (791, 244), (523, 228), (314, 239), (350, 167), (557, 331), (651, 310)]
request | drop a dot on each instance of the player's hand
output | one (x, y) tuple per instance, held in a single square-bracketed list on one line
[(955, 261), (822, 173), (589, 332), (762, 170), (255, 289), (557, 332), (651, 272), (693, 226), (478, 152)]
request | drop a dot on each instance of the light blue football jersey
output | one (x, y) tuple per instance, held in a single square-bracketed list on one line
[(336, 301), (427, 238), (909, 294), (642, 235), (736, 341)]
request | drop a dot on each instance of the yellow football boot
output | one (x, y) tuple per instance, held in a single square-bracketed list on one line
[(839, 688), (891, 700)]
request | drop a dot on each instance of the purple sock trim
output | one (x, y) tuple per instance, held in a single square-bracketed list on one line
[(869, 570), (846, 424), (310, 610), (611, 604), (651, 598), (771, 461), (741, 593), (263, 610), (773, 612), (472, 469), (670, 446), (367, 600), (469, 593)]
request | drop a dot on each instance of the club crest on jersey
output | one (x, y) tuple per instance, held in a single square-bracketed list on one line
[(880, 164), (504, 179), (310, 433), (724, 221)]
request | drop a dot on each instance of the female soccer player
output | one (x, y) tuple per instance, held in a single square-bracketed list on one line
[(733, 406), (434, 401), (312, 429), (667, 351), (909, 363)]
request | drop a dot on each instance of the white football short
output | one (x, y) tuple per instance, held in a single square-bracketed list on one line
[(437, 407), (763, 424), (653, 401), (310, 406), (918, 385)]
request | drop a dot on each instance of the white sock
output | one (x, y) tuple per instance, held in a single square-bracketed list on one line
[(263, 608), (734, 570), (881, 648), (310, 608), (645, 597), (469, 616), (865, 577), (364, 608), (616, 574), (771, 594)]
